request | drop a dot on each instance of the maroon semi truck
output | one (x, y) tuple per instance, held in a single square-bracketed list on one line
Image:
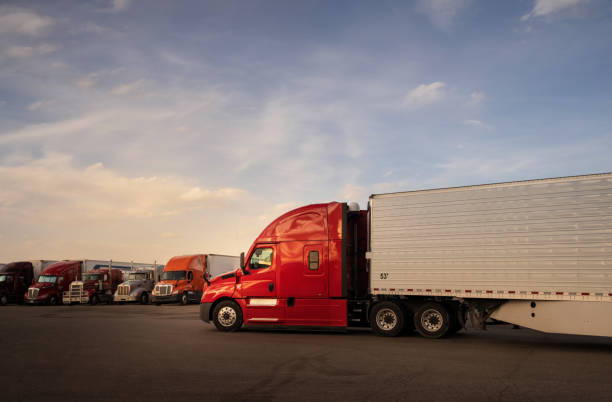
[(53, 282), (94, 287)]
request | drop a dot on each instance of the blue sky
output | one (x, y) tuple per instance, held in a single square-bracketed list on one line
[(143, 129)]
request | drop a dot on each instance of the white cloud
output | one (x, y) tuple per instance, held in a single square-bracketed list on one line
[(61, 191), (442, 12), (388, 173), (476, 98), (28, 51), (543, 8), (475, 123), (126, 89), (20, 21), (425, 94), (119, 5)]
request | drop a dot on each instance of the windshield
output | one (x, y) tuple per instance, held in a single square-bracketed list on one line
[(92, 277), (47, 278), (173, 275), (138, 277)]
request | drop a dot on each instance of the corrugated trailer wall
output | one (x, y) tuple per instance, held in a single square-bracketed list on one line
[(541, 239)]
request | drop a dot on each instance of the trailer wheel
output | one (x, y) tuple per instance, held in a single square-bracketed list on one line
[(227, 316), (432, 320), (184, 299), (93, 300), (53, 300), (144, 298), (387, 319), (4, 300)]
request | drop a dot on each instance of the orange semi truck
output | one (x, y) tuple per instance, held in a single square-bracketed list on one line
[(184, 277)]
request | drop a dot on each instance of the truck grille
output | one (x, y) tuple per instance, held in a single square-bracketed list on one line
[(33, 293), (76, 288), (163, 290), (123, 290)]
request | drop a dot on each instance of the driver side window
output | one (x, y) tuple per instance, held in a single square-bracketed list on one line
[(261, 258)]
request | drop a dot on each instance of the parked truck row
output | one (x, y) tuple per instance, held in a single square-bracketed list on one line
[(533, 253), (181, 280)]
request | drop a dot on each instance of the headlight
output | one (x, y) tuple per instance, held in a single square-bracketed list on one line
[(175, 292)]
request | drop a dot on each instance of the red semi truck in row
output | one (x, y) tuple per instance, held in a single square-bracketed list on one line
[(533, 253), (53, 281)]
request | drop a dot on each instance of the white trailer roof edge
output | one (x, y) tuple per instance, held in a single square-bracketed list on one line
[(499, 184)]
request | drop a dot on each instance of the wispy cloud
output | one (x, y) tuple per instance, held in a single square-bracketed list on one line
[(15, 20), (543, 8), (425, 94), (442, 13), (126, 89)]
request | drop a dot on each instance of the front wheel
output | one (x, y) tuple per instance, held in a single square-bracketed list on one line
[(3, 300), (432, 320), (227, 316), (387, 319), (184, 299), (144, 298), (94, 300), (53, 300)]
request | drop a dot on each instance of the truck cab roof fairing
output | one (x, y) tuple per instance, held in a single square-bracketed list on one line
[(181, 262), (58, 267), (305, 223)]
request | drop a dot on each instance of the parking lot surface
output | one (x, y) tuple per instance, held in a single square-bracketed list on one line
[(134, 352)]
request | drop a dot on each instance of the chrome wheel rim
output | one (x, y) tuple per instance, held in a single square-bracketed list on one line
[(227, 316), (386, 319), (432, 320)]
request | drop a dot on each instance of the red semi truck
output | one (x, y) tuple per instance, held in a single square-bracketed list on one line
[(53, 281), (94, 287), (530, 253)]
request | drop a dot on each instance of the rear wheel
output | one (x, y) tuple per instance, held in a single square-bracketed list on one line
[(184, 299), (227, 316), (144, 298), (432, 320), (3, 300), (387, 319)]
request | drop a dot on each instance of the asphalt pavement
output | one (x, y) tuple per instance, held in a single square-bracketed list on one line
[(137, 353)]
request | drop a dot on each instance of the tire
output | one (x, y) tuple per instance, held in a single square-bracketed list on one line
[(3, 300), (455, 323), (144, 298), (158, 304), (227, 316), (93, 300), (387, 319), (53, 300), (184, 300), (432, 320)]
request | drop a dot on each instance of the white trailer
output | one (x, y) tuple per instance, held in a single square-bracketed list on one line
[(534, 253), (38, 266), (217, 264)]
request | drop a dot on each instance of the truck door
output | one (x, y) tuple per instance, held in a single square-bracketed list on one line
[(258, 286)]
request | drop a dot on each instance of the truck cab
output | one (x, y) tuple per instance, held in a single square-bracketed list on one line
[(53, 281), (299, 272), (137, 288), (14, 280), (182, 280), (94, 287)]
